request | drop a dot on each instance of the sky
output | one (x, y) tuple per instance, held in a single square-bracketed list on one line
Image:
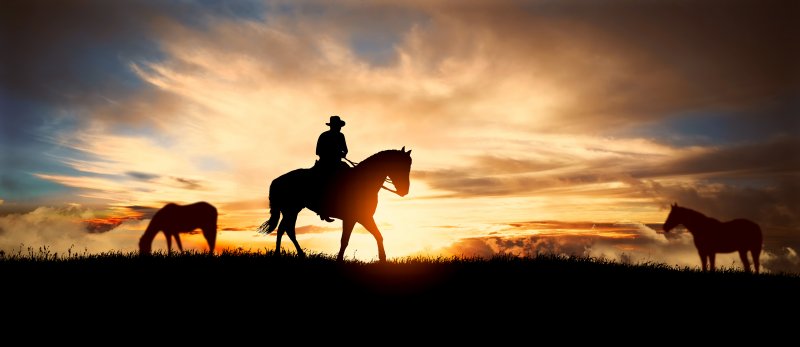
[(559, 127)]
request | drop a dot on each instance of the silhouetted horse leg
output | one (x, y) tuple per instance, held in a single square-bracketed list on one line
[(169, 242), (281, 230), (756, 253), (178, 242), (347, 229), (745, 262), (292, 220), (712, 258), (211, 237), (292, 237), (703, 261), (370, 225)]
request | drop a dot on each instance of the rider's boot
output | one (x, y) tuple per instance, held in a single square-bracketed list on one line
[(325, 218)]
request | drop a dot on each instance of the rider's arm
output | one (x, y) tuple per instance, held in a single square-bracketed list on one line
[(319, 145), (344, 147)]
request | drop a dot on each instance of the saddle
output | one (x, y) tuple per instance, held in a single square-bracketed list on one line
[(326, 178)]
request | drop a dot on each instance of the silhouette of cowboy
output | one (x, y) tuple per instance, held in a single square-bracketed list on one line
[(331, 148), (331, 145)]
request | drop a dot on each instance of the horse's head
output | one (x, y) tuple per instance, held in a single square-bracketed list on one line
[(146, 241), (674, 218), (400, 170)]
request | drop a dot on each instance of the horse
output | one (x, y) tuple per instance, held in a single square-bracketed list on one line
[(174, 219), (353, 197), (712, 236)]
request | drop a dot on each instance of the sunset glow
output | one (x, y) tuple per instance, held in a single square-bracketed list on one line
[(535, 127)]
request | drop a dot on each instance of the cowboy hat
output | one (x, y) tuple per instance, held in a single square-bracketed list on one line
[(336, 121)]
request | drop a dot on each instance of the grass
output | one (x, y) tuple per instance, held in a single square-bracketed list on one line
[(266, 282), (32, 261)]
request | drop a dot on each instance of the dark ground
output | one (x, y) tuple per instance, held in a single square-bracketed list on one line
[(261, 293)]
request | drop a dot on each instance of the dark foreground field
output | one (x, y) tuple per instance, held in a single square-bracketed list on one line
[(255, 290), (267, 277)]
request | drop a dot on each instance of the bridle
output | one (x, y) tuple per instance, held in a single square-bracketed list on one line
[(386, 180)]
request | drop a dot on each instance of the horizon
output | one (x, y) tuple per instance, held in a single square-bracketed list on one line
[(535, 127)]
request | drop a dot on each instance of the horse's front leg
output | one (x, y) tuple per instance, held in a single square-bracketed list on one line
[(178, 242), (347, 229), (369, 224), (712, 257), (211, 237), (703, 261)]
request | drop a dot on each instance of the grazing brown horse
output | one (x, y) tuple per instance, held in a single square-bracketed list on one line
[(353, 198), (174, 219), (712, 236)]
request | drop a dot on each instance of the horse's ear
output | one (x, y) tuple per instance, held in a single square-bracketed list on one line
[(674, 204), (409, 152), (403, 149)]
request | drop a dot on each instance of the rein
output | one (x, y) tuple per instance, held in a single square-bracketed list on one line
[(387, 179)]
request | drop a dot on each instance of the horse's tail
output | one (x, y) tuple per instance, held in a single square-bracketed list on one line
[(274, 211), (270, 225)]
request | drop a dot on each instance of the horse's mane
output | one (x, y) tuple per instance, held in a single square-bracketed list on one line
[(377, 156), (690, 213)]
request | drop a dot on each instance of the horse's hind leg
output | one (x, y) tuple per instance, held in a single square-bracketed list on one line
[(347, 230), (281, 230), (756, 253), (178, 241), (373, 229), (211, 237), (703, 261), (745, 262), (712, 257), (290, 232)]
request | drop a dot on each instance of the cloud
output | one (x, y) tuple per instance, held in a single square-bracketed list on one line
[(630, 243), (187, 183), (142, 175), (316, 229), (144, 212), (754, 180), (61, 230), (784, 260), (90, 40), (764, 159)]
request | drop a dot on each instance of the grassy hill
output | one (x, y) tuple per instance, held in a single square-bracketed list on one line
[(319, 275), (254, 293)]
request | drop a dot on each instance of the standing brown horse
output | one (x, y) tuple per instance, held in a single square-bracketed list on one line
[(174, 219), (712, 236)]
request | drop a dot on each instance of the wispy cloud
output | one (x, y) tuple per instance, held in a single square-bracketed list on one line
[(142, 175)]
